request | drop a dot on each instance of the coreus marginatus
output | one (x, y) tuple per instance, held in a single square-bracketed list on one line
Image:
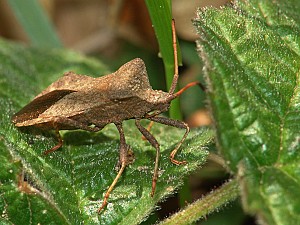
[(82, 102)]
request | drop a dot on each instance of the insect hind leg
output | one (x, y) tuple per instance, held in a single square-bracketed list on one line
[(60, 122), (59, 144)]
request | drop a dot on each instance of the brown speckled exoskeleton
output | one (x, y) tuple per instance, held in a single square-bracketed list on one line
[(81, 102)]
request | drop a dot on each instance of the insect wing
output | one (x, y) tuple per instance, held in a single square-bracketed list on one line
[(39, 105), (69, 81)]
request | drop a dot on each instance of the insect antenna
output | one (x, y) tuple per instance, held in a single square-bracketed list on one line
[(175, 77), (188, 86), (176, 74)]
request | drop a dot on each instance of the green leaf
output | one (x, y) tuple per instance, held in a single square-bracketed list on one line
[(251, 51), (67, 186)]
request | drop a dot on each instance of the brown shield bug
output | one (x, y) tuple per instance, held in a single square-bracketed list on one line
[(81, 102)]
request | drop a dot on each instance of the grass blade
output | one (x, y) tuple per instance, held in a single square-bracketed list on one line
[(35, 23)]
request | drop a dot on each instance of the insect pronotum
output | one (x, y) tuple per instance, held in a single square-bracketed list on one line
[(77, 101)]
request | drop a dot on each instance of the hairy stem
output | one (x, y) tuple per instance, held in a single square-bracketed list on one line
[(206, 205)]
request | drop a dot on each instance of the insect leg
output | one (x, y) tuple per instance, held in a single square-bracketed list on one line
[(59, 144), (155, 144), (61, 121), (148, 129), (123, 162), (64, 121), (178, 124)]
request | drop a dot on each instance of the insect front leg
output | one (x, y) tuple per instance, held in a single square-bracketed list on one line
[(123, 161), (155, 144), (178, 124)]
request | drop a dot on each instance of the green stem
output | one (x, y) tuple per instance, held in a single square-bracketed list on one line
[(208, 204), (161, 17)]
